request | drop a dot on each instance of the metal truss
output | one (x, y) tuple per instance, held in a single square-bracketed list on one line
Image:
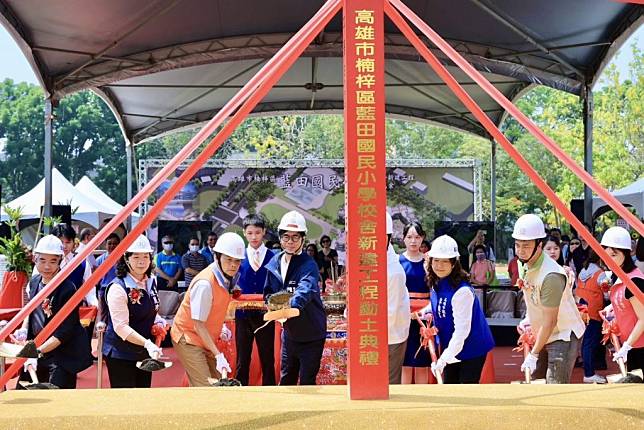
[(102, 71), (458, 120)]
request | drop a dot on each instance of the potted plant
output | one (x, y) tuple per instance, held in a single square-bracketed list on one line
[(18, 261)]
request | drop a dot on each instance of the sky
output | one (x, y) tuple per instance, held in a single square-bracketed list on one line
[(15, 66)]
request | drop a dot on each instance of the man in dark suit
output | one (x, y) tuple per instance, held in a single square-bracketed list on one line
[(66, 352)]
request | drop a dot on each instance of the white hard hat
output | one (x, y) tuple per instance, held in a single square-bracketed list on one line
[(444, 247), (617, 237), (529, 227), (293, 221), (141, 244), (232, 245), (389, 224), (49, 244)]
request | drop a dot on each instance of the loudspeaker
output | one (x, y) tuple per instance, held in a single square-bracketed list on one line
[(64, 212)]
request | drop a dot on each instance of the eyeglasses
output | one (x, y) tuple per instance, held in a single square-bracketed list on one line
[(326, 241), (168, 243), (287, 238), (575, 243)]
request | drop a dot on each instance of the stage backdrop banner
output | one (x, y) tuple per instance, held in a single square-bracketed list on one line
[(224, 195)]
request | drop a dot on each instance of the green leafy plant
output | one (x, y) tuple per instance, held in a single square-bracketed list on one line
[(13, 248), (51, 221)]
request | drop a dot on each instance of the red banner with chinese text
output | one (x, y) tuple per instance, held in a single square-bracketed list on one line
[(366, 198)]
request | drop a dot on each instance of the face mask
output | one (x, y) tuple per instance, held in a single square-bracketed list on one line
[(167, 246), (480, 257), (194, 248)]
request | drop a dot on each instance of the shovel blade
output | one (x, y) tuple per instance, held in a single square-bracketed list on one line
[(617, 377), (38, 385), (152, 365)]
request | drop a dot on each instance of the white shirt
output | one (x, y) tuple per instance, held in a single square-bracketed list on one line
[(250, 251), (462, 303), (398, 311), (284, 266), (201, 296), (90, 258)]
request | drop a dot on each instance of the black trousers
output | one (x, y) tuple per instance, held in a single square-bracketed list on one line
[(300, 359), (635, 359), (464, 372), (48, 371), (125, 374), (265, 338)]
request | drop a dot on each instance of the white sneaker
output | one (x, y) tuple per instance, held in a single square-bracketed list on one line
[(595, 379)]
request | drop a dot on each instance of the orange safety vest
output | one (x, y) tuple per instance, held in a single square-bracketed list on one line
[(624, 312), (591, 292), (184, 324)]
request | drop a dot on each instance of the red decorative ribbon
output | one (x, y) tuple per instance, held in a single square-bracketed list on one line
[(609, 328), (526, 341), (159, 331)]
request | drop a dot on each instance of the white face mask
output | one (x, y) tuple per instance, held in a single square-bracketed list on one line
[(194, 248), (167, 246)]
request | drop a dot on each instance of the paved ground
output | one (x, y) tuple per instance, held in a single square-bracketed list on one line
[(414, 407)]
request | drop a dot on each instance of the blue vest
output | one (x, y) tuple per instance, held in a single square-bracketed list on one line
[(76, 277), (252, 282), (141, 320), (479, 342)]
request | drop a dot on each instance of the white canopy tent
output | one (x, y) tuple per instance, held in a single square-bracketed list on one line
[(631, 195), (89, 189), (84, 207)]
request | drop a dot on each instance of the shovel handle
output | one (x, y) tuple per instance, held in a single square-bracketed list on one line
[(617, 345), (32, 373), (527, 374), (100, 329), (622, 366)]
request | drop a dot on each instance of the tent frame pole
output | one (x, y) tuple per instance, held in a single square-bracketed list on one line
[(588, 111)]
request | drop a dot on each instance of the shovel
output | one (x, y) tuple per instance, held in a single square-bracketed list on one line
[(100, 329), (525, 343), (610, 330), (279, 315), (224, 381), (429, 343), (35, 385), (153, 364), (12, 350)]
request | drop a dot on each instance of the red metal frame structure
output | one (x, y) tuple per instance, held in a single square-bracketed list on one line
[(368, 387), (257, 88), (392, 7)]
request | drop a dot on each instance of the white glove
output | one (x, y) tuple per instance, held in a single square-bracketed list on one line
[(20, 335), (438, 366), (530, 363), (226, 334), (623, 352), (524, 325), (160, 320), (153, 350), (222, 363), (33, 362), (425, 313)]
